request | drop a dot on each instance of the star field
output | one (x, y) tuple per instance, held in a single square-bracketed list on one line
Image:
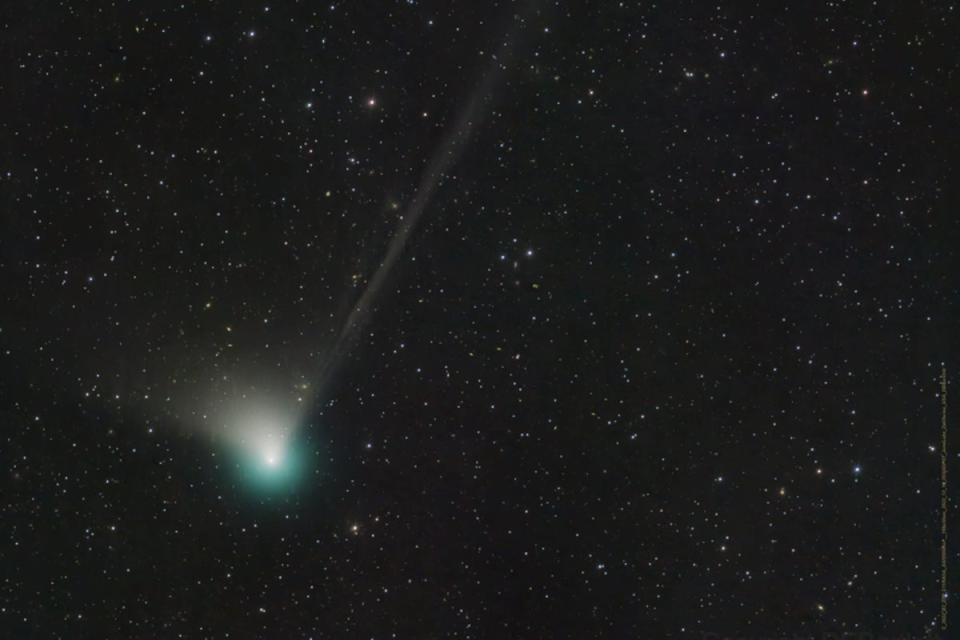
[(416, 319)]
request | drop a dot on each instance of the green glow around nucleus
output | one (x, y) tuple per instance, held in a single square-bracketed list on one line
[(271, 467), (267, 450)]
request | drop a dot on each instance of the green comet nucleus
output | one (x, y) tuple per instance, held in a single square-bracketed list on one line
[(271, 468), (262, 434)]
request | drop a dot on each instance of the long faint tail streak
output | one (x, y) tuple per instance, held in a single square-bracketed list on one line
[(448, 152)]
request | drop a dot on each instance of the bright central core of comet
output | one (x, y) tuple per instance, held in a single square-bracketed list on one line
[(268, 443), (273, 456), (263, 435)]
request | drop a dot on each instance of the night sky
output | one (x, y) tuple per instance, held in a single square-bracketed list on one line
[(477, 320)]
